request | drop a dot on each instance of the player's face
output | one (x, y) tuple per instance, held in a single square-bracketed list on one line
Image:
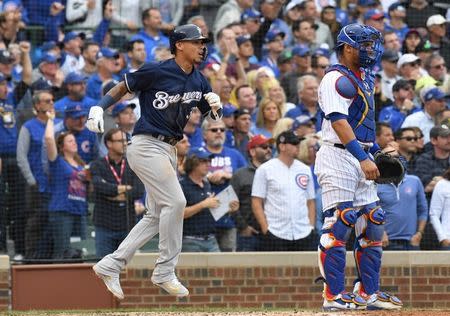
[(193, 50)]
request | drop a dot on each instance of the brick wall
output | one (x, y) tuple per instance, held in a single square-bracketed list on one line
[(4, 283)]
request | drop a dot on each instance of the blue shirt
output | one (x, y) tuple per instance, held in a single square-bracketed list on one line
[(392, 115), (403, 208), (62, 103), (94, 87), (167, 96), (36, 130), (300, 109), (401, 32), (8, 129), (38, 11), (67, 187), (151, 43), (196, 138), (266, 61)]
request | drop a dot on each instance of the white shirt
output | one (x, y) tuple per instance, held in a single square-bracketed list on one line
[(285, 191), (331, 101), (440, 209), (422, 120), (72, 63), (387, 83)]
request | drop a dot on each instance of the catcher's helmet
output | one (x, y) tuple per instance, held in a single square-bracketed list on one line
[(187, 32), (357, 36)]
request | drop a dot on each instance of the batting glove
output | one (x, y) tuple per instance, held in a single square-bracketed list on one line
[(216, 107), (95, 120)]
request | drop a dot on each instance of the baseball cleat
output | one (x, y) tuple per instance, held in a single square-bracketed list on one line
[(379, 300), (112, 283), (344, 301), (173, 287)]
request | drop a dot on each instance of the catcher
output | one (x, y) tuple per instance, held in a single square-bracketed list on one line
[(346, 166)]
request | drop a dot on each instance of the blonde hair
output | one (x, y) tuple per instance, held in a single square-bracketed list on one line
[(260, 119), (282, 125), (303, 153)]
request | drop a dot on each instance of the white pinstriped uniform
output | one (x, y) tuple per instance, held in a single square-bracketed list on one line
[(338, 172)]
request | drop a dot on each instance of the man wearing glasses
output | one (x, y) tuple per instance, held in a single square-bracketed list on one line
[(406, 139)]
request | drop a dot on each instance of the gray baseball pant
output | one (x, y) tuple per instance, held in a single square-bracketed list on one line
[(154, 162)]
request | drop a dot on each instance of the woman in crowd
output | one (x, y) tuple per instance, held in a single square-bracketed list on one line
[(273, 91), (68, 186), (268, 115), (440, 211), (411, 42)]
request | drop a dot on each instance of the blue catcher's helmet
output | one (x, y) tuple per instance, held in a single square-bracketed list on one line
[(187, 32), (359, 36)]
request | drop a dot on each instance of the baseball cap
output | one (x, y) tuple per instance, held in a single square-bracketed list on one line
[(5, 57), (284, 57), (250, 14), (373, 14), (119, 107), (70, 36), (302, 120), (200, 153), (412, 31), (406, 59), (74, 111), (432, 93), (292, 4), (49, 58), (401, 84), (396, 6), (367, 3), (436, 19), (74, 77), (441, 130), (48, 46), (259, 140), (322, 51), (288, 137), (242, 39), (272, 35), (301, 51), (106, 52), (390, 55), (228, 110), (240, 112), (41, 85)]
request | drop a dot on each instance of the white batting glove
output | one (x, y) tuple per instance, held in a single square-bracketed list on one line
[(214, 102), (95, 120)]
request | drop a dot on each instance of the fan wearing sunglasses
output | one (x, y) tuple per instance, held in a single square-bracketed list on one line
[(406, 139)]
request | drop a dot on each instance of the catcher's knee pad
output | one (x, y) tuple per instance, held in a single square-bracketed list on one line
[(336, 230), (368, 249)]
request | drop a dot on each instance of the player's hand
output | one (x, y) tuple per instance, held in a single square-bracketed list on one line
[(370, 169), (214, 102), (95, 120)]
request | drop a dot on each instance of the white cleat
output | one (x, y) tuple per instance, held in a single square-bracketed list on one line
[(173, 287), (112, 283)]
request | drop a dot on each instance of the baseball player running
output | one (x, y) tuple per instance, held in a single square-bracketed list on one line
[(345, 172), (169, 90)]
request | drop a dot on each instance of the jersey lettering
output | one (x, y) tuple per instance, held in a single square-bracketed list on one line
[(163, 99)]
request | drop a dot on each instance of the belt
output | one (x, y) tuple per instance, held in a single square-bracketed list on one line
[(365, 148), (167, 139)]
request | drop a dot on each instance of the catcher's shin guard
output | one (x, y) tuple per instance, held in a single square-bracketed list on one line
[(336, 230), (368, 251)]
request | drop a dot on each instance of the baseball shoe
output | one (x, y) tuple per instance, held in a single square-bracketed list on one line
[(344, 301), (173, 287), (379, 300), (112, 283)]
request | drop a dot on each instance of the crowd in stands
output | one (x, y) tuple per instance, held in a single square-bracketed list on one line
[(265, 60)]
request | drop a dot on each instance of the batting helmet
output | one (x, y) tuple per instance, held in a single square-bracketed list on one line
[(187, 32), (359, 36)]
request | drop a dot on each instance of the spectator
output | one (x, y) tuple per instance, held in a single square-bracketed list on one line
[(302, 61), (433, 103), (76, 94), (244, 54), (90, 50), (328, 17), (282, 125), (396, 21), (171, 13), (307, 87), (408, 67), (10, 25), (230, 12), (392, 41), (431, 165), (284, 63), (437, 27), (384, 134), (304, 32), (418, 11), (127, 14), (440, 209), (49, 70), (29, 151), (68, 189), (406, 139), (116, 188), (251, 20), (84, 15), (395, 114), (125, 118), (319, 64), (241, 131), (259, 151), (199, 225), (73, 60), (283, 200), (406, 212), (151, 33), (228, 120), (389, 72), (304, 125), (136, 54), (224, 162), (193, 130), (436, 68), (275, 47), (275, 93), (268, 115), (182, 147), (411, 42), (246, 99), (375, 19), (420, 144), (308, 10)]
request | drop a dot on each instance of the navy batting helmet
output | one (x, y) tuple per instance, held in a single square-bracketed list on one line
[(364, 38), (187, 32)]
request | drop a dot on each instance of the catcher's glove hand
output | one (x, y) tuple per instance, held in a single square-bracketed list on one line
[(391, 168)]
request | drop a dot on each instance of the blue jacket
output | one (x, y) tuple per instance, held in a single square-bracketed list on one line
[(151, 43)]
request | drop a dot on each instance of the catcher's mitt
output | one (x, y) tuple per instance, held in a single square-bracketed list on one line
[(391, 168)]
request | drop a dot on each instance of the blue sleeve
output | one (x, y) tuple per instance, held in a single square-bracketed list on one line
[(100, 32), (422, 205), (336, 116), (51, 28), (142, 79)]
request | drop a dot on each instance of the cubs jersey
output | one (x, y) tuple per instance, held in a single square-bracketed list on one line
[(167, 96)]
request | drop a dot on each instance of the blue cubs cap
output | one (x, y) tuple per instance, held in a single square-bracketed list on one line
[(434, 93), (242, 39), (272, 35), (301, 51), (41, 85), (106, 52), (322, 52), (228, 110), (48, 46), (74, 77), (396, 6), (49, 58), (373, 14), (250, 14), (302, 120), (74, 111), (200, 153), (70, 36), (119, 107), (367, 3)]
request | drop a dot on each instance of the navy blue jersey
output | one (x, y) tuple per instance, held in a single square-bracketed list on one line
[(167, 96)]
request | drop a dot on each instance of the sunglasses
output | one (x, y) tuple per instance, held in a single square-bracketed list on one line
[(47, 101), (440, 66), (410, 139), (323, 66), (265, 147), (215, 130)]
